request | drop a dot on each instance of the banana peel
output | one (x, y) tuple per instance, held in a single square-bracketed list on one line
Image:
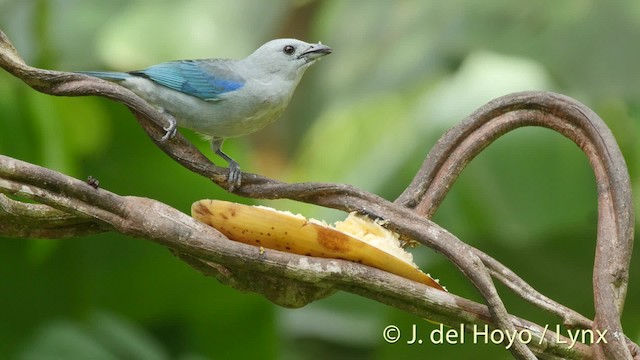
[(273, 229)]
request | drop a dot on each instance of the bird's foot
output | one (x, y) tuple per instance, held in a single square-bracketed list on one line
[(234, 178), (171, 129), (235, 175)]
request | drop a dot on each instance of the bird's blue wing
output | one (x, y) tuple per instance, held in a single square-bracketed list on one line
[(205, 79), (107, 75)]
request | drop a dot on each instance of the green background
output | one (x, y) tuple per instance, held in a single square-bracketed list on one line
[(401, 74)]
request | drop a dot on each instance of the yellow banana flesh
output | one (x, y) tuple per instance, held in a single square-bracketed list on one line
[(269, 228)]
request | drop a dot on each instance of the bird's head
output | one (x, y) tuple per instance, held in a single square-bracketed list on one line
[(289, 57)]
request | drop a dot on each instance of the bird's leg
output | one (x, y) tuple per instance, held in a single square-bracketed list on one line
[(234, 168), (171, 128)]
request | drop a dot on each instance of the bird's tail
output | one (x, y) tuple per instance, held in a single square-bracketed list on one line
[(107, 75)]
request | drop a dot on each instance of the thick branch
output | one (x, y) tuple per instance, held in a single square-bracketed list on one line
[(24, 220)]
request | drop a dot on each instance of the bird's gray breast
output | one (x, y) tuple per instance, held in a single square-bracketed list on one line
[(234, 113)]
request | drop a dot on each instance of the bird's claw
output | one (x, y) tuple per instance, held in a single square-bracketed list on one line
[(171, 130), (235, 176)]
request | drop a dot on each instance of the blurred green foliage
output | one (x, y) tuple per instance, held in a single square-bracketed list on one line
[(402, 73)]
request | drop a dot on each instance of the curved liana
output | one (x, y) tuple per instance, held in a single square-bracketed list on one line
[(580, 124)]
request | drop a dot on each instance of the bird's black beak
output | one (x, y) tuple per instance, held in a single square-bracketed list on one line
[(315, 51)]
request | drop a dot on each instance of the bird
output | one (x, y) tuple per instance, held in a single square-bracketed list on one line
[(223, 98)]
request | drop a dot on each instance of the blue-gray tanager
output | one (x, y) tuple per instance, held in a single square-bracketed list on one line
[(223, 98)]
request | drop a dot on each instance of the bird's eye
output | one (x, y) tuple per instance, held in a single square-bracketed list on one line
[(289, 49)]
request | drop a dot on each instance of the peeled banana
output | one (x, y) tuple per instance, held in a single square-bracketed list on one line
[(273, 229)]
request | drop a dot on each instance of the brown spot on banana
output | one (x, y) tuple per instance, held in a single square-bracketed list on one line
[(332, 240)]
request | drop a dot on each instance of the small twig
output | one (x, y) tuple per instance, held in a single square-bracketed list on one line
[(570, 318)]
